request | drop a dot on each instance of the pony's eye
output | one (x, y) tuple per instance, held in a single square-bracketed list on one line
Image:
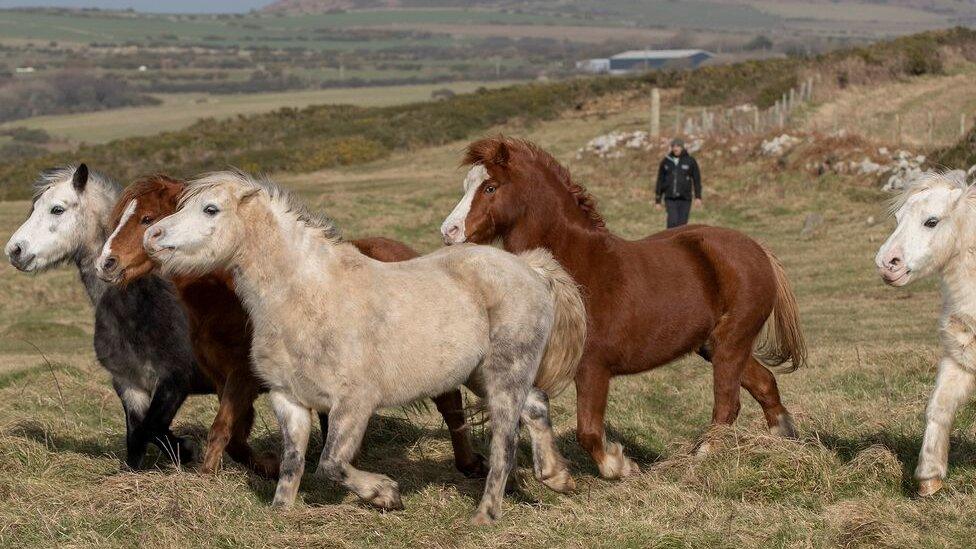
[(57, 210), (931, 222), (211, 210), (489, 189), (146, 220)]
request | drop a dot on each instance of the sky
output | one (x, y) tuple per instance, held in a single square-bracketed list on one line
[(157, 6)]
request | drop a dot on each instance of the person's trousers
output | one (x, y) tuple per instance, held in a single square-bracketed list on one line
[(678, 211)]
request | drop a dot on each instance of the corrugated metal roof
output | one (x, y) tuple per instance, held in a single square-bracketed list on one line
[(659, 54)]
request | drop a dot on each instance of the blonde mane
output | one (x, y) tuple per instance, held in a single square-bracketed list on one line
[(280, 199)]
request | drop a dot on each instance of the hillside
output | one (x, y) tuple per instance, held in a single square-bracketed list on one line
[(301, 140)]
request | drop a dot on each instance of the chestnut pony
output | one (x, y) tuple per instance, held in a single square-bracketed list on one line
[(692, 289), (221, 331)]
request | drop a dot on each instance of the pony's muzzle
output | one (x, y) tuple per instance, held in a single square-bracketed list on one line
[(893, 268), (107, 267), (18, 258), (452, 234)]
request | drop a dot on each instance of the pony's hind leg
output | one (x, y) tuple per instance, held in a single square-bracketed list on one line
[(295, 422), (761, 384), (466, 460), (347, 424), (953, 385), (547, 463)]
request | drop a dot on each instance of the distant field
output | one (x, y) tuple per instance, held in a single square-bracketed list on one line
[(181, 110), (847, 11)]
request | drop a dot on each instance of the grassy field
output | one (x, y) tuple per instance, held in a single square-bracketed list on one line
[(181, 110), (846, 482)]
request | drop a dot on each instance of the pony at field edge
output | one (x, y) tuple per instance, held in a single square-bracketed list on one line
[(335, 330), (692, 289), (150, 361), (221, 331), (935, 234)]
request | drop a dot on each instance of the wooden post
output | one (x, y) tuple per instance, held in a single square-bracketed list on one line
[(655, 112), (810, 89), (792, 99), (677, 120), (755, 119)]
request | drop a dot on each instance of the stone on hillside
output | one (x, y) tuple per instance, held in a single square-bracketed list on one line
[(811, 224)]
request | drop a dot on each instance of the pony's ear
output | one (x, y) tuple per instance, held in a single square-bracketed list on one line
[(247, 195), (500, 155), (80, 178)]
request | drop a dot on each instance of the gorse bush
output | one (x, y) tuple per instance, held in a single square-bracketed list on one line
[(317, 137)]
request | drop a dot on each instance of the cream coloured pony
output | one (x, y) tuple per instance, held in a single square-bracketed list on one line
[(936, 234), (337, 331)]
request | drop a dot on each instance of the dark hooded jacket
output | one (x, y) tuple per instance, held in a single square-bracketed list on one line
[(679, 180)]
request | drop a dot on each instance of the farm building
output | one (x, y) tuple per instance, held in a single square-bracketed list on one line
[(641, 60)]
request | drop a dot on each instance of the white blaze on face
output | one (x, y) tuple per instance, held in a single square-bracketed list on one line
[(453, 227), (130, 209)]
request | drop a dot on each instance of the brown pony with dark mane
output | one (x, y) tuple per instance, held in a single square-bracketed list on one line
[(221, 332), (692, 289)]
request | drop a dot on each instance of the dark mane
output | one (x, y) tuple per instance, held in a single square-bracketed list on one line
[(141, 187), (501, 150)]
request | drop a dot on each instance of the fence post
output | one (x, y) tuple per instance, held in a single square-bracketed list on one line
[(677, 120), (755, 119), (655, 112)]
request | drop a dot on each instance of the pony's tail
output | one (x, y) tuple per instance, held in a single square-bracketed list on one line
[(565, 346), (782, 339)]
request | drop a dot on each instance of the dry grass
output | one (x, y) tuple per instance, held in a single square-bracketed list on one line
[(845, 483)]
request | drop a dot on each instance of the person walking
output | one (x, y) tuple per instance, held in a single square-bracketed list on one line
[(678, 182)]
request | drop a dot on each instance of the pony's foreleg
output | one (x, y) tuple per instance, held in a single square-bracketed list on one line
[(592, 386), (504, 408), (166, 401), (547, 463), (466, 460), (347, 424), (295, 422), (232, 426), (953, 385)]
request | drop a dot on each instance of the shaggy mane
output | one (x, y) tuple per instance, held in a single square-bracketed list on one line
[(141, 187), (484, 151), (928, 180), (52, 176), (280, 198)]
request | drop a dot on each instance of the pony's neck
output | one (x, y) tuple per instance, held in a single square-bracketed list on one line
[(86, 253), (574, 243), (959, 282), (276, 260)]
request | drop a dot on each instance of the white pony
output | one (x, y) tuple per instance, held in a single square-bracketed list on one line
[(936, 233), (337, 331)]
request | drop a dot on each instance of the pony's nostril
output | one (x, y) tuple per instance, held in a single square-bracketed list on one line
[(895, 261), (109, 264), (16, 251), (155, 233), (453, 231)]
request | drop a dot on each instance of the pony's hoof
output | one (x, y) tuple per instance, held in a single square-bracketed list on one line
[(281, 503), (561, 482), (477, 468), (784, 427), (616, 465), (482, 518), (387, 496), (929, 487)]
